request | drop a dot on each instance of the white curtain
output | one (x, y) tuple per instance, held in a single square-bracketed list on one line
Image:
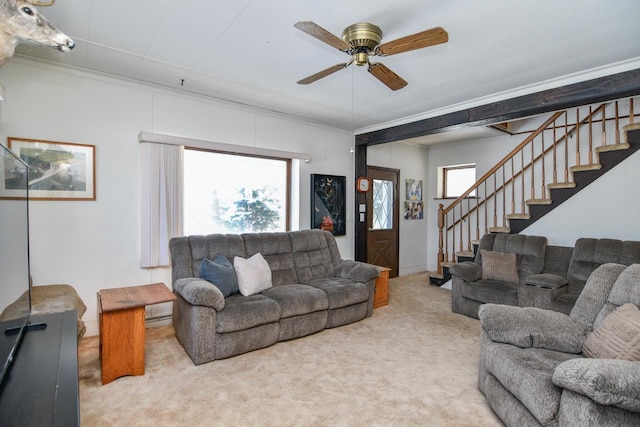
[(162, 189)]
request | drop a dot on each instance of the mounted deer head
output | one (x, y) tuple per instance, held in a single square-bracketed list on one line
[(20, 22)]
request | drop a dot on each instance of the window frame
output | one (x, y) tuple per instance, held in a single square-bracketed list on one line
[(289, 170), (446, 169)]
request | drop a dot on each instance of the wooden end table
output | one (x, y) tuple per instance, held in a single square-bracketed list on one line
[(381, 296), (121, 313)]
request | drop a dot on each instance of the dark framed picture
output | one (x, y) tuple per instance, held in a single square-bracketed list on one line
[(57, 170), (328, 203)]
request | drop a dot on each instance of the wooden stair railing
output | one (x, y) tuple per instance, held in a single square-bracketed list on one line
[(539, 161)]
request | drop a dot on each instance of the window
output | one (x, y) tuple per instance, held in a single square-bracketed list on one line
[(455, 180), (382, 204), (229, 193)]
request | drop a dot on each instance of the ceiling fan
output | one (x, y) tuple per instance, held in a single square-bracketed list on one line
[(362, 40)]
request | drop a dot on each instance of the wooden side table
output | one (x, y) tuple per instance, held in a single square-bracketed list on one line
[(121, 316), (381, 296)]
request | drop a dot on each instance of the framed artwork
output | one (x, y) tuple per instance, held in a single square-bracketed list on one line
[(328, 203), (57, 170), (413, 206), (414, 189), (413, 210)]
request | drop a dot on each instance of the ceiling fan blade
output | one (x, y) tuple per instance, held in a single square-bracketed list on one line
[(323, 73), (323, 35), (386, 76), (420, 40)]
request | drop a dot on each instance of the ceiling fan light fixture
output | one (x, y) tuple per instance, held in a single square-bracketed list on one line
[(361, 58)]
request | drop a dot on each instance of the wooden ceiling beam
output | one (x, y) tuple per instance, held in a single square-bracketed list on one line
[(602, 89)]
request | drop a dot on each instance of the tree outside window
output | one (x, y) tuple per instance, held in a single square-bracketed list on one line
[(225, 193)]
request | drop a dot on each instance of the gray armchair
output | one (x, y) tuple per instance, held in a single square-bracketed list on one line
[(532, 367), (470, 285)]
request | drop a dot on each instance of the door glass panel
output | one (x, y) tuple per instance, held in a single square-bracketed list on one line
[(382, 204)]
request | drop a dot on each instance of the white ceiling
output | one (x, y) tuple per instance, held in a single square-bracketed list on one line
[(248, 51)]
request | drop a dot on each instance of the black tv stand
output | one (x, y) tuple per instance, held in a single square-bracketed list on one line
[(30, 326), (41, 386)]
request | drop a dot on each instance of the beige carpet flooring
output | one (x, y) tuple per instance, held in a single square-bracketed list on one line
[(413, 363)]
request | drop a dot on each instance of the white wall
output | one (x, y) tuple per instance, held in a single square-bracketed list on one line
[(412, 161), (96, 245), (607, 208)]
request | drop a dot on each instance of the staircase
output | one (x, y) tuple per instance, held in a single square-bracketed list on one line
[(570, 150)]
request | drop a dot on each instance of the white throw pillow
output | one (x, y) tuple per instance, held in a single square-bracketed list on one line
[(254, 274)]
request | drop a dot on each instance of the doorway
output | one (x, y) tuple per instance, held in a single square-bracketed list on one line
[(383, 218)]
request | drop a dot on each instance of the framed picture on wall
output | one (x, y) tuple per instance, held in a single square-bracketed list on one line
[(414, 189), (57, 170), (413, 210), (413, 206), (328, 203)]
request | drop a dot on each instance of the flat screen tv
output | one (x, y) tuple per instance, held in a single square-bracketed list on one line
[(15, 295)]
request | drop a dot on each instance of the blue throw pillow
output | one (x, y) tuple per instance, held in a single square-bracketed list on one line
[(221, 274)]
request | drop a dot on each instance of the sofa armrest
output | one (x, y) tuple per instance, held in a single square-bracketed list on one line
[(199, 292), (467, 271), (530, 327), (605, 381), (546, 280), (356, 271)]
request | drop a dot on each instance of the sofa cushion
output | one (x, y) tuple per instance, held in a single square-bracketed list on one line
[(527, 374), (209, 246), (529, 249), (341, 292), (590, 253), (254, 275), (490, 291), (500, 266), (242, 313), (297, 299), (617, 337), (276, 250), (221, 274), (312, 255)]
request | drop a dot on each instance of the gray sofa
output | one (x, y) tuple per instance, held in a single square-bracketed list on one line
[(532, 367), (550, 277), (566, 271), (313, 289)]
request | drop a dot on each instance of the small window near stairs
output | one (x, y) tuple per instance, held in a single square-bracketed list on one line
[(456, 179)]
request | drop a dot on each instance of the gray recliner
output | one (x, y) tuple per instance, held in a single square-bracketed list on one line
[(532, 370), (469, 290)]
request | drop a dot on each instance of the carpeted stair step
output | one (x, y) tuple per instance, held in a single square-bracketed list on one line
[(437, 279), (465, 254), (518, 216), (586, 168), (612, 147), (561, 185), (538, 202), (499, 230), (626, 129)]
